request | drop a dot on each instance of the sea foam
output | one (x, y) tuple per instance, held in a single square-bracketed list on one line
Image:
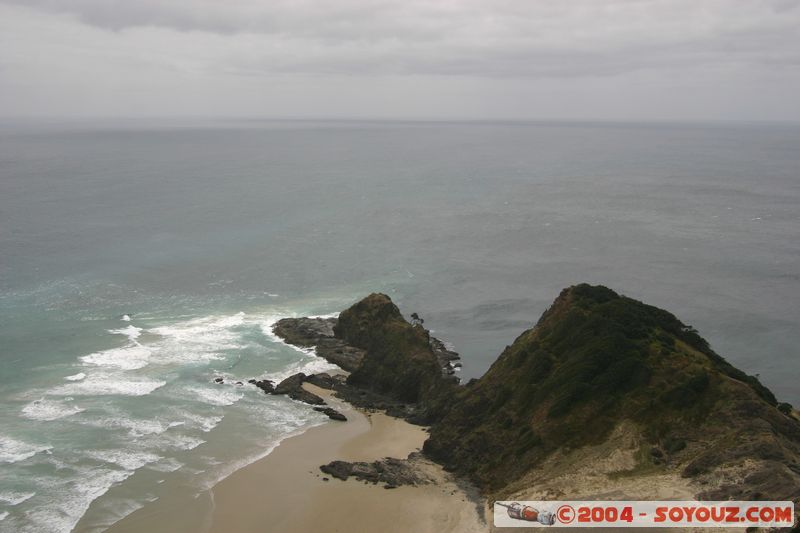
[(128, 460), (215, 396), (102, 383), (71, 498), (131, 357), (135, 427), (47, 410), (13, 451), (152, 358), (15, 498)]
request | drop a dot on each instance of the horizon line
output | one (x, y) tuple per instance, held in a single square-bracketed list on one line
[(395, 119)]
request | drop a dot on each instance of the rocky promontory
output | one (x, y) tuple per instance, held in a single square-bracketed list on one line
[(603, 396), (318, 333)]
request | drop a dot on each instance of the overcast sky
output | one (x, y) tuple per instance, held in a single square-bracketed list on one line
[(522, 59)]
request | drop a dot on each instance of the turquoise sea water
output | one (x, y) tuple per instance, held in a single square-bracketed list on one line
[(203, 234)]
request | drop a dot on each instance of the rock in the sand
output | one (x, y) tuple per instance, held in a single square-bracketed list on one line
[(392, 472), (366, 472), (332, 413), (338, 469)]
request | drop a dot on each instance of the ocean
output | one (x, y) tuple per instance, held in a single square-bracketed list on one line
[(140, 260)]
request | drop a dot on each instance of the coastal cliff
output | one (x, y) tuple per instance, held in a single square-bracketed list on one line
[(599, 375)]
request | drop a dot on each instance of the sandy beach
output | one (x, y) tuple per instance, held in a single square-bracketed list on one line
[(285, 491)]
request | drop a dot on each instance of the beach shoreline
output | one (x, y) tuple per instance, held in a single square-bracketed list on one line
[(285, 491)]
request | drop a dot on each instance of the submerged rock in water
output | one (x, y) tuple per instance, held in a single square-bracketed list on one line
[(264, 384)]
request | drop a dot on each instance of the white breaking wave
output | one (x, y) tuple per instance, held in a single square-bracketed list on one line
[(132, 332), (166, 465), (197, 340), (97, 384), (131, 357), (3, 515), (219, 395), (204, 423), (126, 459), (15, 498), (135, 427), (144, 432), (45, 409), (13, 451), (329, 315), (193, 341), (174, 441), (71, 499)]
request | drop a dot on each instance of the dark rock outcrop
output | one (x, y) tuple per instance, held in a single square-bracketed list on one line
[(392, 472), (318, 333), (290, 384), (342, 346), (293, 387), (322, 380), (448, 359), (332, 413), (400, 361), (395, 366), (302, 395), (263, 384)]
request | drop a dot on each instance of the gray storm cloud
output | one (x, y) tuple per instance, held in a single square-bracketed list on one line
[(477, 51)]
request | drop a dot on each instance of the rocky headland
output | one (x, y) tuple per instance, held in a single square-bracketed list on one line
[(604, 397)]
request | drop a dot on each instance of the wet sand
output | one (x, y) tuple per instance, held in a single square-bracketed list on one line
[(285, 491)]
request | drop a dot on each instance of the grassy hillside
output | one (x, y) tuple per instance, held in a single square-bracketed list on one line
[(594, 363), (594, 359)]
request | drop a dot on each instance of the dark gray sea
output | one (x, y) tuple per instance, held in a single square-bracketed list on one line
[(139, 260)]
